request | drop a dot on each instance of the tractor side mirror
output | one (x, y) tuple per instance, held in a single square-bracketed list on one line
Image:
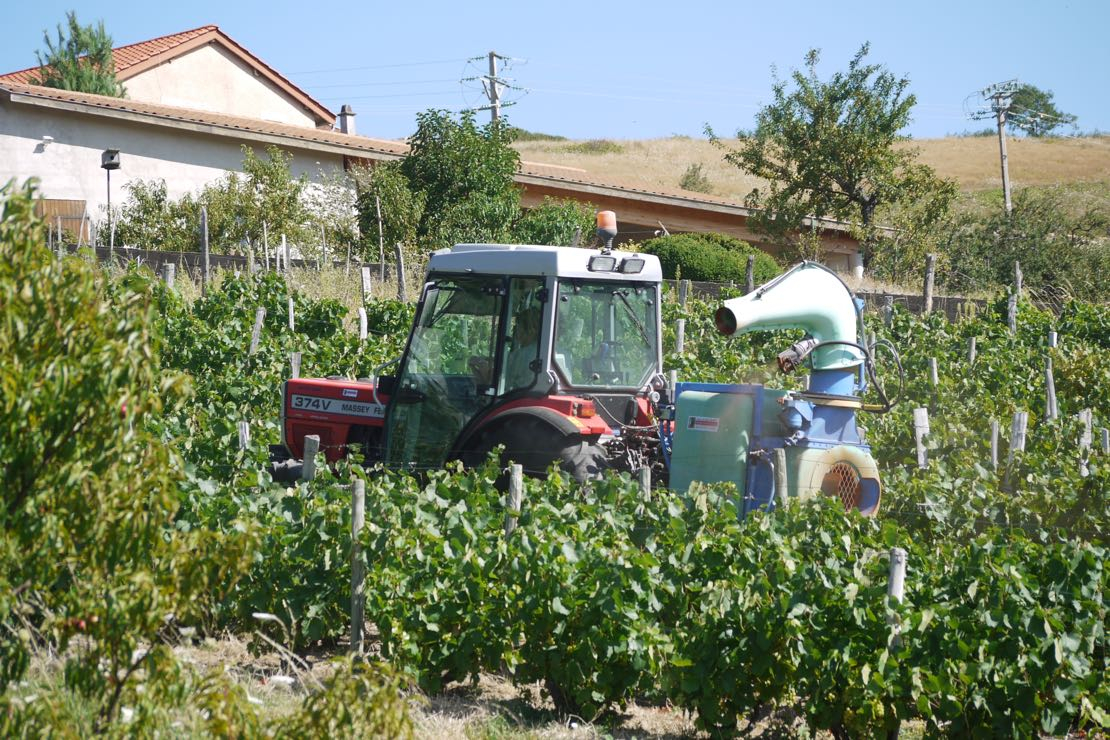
[(386, 384)]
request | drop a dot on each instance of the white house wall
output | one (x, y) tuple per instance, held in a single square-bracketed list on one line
[(69, 166), (211, 78)]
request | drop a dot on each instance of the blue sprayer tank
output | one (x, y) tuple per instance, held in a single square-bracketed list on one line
[(729, 432)]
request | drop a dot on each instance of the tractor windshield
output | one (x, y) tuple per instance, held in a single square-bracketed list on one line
[(606, 333)]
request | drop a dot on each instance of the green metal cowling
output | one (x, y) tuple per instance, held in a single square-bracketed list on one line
[(809, 296)]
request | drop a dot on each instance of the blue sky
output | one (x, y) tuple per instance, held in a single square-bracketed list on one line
[(626, 70)]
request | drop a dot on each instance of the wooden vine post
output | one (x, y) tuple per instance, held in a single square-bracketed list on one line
[(971, 350), (782, 492), (888, 310), (244, 435), (920, 430), (994, 444), (680, 336), (749, 275), (1018, 427), (930, 273), (168, 269), (362, 324), (294, 364), (256, 332), (367, 289), (1050, 410), (516, 495), (311, 447), (204, 247), (292, 322), (400, 272), (358, 573)]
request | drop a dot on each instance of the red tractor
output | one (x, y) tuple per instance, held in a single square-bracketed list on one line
[(553, 353)]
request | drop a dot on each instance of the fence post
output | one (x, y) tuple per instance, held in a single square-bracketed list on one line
[(244, 435), (683, 291), (294, 364), (680, 336), (358, 605), (920, 429), (256, 332), (311, 447), (994, 444), (749, 275), (204, 246), (366, 288), (168, 269), (971, 351), (292, 322), (930, 272), (516, 493), (362, 324), (400, 272), (888, 310), (1050, 411)]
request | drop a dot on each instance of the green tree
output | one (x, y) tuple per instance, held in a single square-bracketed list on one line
[(1032, 111), (465, 172), (89, 555), (80, 60), (456, 185), (828, 150)]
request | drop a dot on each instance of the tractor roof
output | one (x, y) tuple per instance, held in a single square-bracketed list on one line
[(522, 259)]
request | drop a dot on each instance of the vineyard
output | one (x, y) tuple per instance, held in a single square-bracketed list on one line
[(133, 514)]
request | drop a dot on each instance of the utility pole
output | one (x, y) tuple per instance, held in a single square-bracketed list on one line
[(493, 89), (1000, 96), (1001, 106)]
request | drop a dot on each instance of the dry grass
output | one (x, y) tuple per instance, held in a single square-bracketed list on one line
[(972, 161)]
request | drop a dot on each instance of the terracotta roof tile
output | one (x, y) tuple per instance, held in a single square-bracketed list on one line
[(135, 58), (124, 56)]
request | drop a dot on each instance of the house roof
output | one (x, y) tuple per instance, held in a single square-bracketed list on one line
[(134, 59), (219, 124)]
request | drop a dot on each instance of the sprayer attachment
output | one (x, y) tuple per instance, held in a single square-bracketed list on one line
[(793, 357)]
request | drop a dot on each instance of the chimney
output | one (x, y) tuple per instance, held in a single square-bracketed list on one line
[(347, 120)]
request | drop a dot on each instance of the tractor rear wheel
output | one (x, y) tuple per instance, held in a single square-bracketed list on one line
[(535, 445)]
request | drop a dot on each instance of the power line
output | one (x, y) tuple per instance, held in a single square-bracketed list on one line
[(380, 84), (377, 66)]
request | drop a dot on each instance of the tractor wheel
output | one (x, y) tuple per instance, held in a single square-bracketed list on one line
[(535, 445)]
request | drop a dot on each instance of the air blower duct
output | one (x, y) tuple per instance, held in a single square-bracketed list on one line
[(810, 297)]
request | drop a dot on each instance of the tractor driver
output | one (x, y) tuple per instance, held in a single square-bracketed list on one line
[(523, 349)]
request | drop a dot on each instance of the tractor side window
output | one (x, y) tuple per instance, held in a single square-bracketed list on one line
[(447, 373), (522, 341)]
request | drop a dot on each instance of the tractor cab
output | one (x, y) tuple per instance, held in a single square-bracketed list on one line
[(521, 345)]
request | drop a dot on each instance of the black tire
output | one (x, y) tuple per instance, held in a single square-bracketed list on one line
[(535, 445)]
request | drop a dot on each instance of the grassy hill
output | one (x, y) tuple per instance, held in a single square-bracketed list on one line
[(972, 161)]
